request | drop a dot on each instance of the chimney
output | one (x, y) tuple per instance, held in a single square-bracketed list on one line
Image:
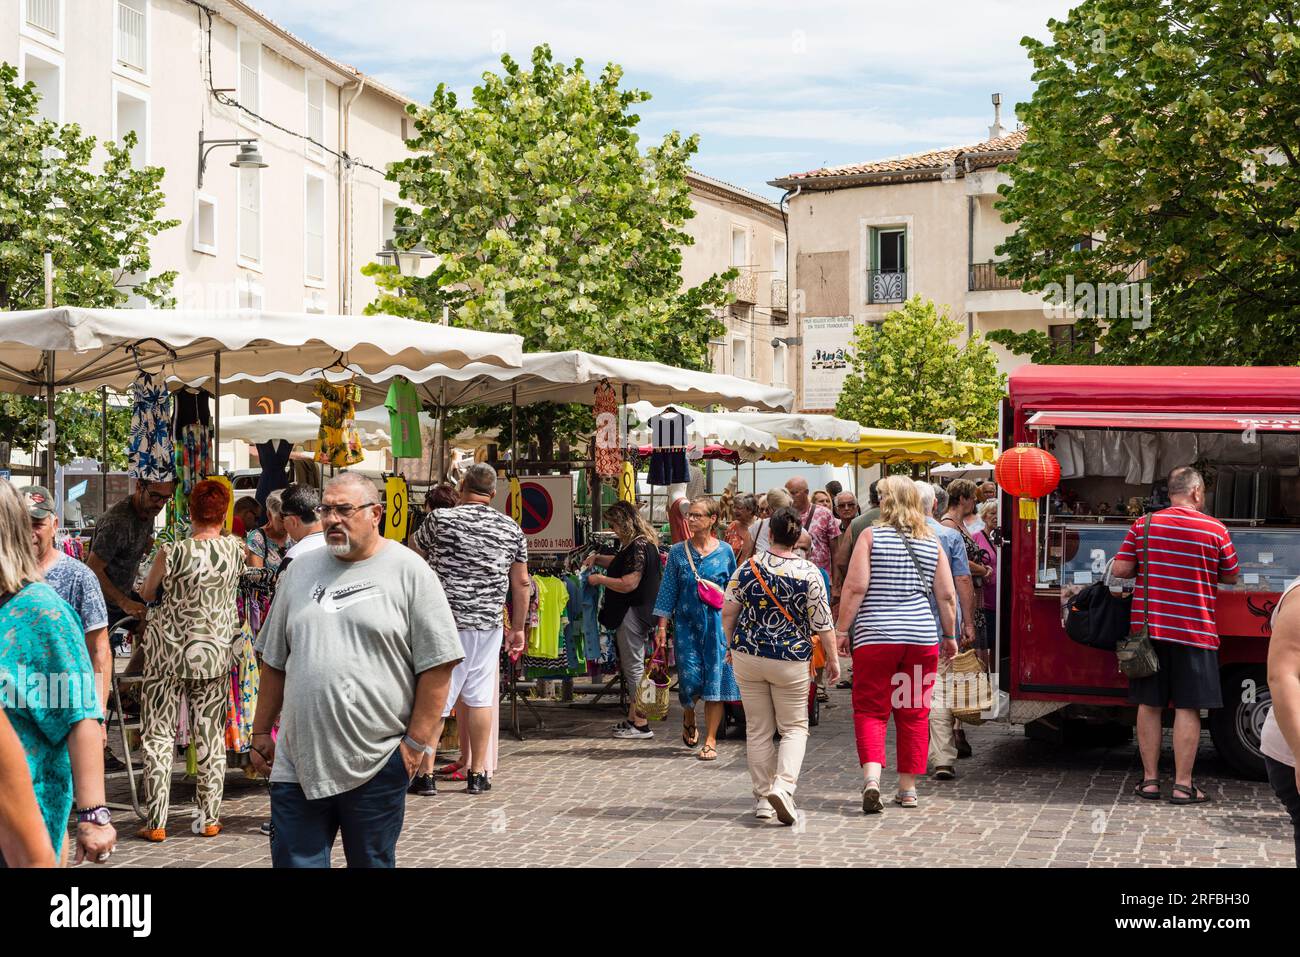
[(997, 130)]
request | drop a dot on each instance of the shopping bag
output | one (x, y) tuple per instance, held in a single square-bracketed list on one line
[(652, 692), (970, 688)]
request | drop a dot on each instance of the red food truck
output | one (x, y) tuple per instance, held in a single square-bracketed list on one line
[(1117, 432)]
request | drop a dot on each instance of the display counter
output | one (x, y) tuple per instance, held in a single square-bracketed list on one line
[(1077, 551)]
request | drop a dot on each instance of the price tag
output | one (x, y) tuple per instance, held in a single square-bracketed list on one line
[(1266, 558), (1250, 578), (1083, 578)]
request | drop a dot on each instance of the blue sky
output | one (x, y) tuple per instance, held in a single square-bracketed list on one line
[(771, 87)]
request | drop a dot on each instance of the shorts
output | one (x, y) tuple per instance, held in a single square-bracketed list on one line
[(1188, 678), (474, 680), (668, 468)]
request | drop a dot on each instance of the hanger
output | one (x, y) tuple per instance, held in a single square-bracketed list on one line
[(340, 362)]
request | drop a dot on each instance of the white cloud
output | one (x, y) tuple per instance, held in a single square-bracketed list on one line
[(839, 76)]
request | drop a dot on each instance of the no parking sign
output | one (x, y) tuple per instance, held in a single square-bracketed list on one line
[(546, 511)]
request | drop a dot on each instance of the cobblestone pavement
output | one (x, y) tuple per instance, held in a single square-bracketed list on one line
[(571, 795)]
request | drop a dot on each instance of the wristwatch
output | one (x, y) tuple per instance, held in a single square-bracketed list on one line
[(414, 745), (94, 815)]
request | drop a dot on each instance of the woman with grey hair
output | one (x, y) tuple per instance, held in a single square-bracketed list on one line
[(761, 531), (745, 509), (266, 545)]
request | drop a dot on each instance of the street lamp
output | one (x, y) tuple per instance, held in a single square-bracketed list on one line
[(248, 158), (787, 341), (406, 260)]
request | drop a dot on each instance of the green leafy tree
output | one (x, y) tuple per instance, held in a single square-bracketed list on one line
[(910, 373), (1167, 132), (96, 219), (548, 220)]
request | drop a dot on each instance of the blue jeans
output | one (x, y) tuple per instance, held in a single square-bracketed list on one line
[(370, 817)]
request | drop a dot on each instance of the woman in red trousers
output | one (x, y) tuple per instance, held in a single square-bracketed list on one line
[(898, 611)]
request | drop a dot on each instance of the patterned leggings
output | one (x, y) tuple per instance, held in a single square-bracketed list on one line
[(161, 707)]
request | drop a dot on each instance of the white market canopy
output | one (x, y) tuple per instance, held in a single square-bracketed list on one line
[(800, 425), (97, 347), (541, 377), (706, 428), (303, 428)]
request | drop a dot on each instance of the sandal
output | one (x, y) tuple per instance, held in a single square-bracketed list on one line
[(690, 734), (1193, 795), (708, 753), (906, 799), (450, 771), (871, 798), (1140, 789)]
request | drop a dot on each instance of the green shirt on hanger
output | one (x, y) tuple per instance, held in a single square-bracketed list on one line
[(404, 419)]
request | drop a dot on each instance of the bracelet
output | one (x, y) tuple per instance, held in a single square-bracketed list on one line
[(414, 745), (261, 734)]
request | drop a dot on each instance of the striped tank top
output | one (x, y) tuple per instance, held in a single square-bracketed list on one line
[(896, 609)]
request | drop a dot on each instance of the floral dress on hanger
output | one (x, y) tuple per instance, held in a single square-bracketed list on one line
[(149, 448)]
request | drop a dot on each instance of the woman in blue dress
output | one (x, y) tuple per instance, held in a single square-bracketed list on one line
[(702, 670)]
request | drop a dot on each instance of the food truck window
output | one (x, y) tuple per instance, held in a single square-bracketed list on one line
[(1111, 476)]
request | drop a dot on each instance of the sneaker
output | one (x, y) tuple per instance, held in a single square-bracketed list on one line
[(945, 773), (763, 810), (424, 785), (478, 784), (783, 804), (265, 828), (629, 730)]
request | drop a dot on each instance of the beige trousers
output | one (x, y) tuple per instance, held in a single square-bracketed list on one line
[(943, 743), (775, 696)]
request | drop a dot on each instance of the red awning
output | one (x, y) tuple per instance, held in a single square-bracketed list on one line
[(1164, 421)]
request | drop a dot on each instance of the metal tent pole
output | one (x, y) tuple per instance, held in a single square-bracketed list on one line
[(51, 429), (440, 433), (216, 428), (103, 449)]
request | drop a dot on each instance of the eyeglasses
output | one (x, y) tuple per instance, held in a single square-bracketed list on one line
[(704, 516), (157, 498), (344, 511)]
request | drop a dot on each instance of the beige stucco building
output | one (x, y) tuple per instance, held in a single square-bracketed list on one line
[(736, 228), (291, 237), (868, 236)]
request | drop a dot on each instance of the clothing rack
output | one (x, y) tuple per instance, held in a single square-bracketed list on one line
[(558, 566)]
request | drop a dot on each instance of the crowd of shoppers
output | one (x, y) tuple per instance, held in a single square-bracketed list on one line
[(370, 645)]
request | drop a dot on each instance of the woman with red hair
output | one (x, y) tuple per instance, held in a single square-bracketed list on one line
[(187, 652)]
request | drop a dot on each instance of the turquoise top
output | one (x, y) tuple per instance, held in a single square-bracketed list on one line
[(47, 685)]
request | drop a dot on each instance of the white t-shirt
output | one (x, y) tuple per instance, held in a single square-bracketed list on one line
[(309, 544), (1271, 741), (761, 532)]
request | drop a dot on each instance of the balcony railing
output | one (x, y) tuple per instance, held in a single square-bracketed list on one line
[(130, 36), (44, 15), (885, 286), (745, 286), (780, 294), (984, 277)]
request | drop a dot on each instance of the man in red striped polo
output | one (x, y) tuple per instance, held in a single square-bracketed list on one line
[(1190, 556)]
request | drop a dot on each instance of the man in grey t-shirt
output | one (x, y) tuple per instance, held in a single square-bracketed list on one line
[(356, 664)]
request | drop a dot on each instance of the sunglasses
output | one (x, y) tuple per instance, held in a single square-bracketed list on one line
[(344, 511)]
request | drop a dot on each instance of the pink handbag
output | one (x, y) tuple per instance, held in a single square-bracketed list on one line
[(708, 592)]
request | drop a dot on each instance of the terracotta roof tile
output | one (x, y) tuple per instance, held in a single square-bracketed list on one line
[(933, 159)]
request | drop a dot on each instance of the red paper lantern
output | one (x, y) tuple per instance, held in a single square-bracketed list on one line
[(1029, 473)]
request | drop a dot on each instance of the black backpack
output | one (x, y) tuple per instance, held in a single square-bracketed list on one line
[(1097, 618)]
